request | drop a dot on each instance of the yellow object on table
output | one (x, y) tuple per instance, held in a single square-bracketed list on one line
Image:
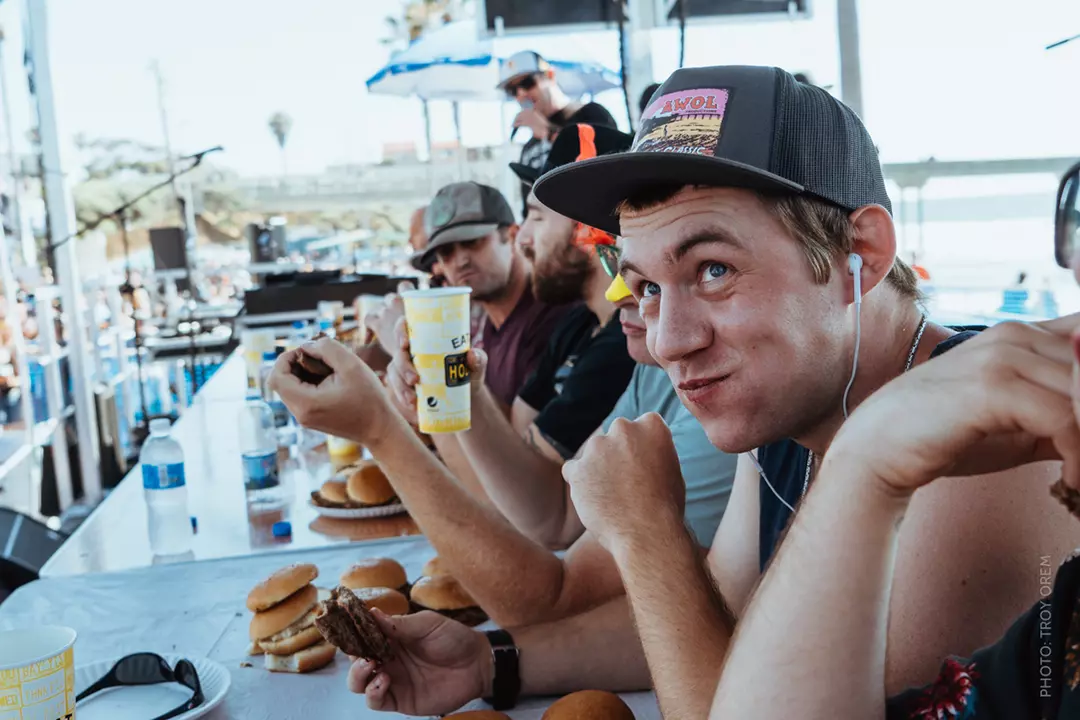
[(37, 673)]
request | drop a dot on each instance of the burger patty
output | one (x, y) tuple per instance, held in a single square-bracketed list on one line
[(348, 625), (318, 499)]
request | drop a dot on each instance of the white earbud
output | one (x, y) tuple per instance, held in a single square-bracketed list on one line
[(854, 261)]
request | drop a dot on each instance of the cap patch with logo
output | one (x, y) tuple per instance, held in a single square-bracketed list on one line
[(743, 127), (689, 122)]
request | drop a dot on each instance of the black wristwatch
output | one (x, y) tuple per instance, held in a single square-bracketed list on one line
[(506, 683)]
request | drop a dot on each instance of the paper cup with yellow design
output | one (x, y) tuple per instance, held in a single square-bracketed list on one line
[(438, 323), (37, 674)]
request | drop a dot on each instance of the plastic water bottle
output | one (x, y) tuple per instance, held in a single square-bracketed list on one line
[(326, 327), (283, 419), (166, 491), (258, 451)]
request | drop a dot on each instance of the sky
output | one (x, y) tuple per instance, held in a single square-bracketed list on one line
[(964, 79)]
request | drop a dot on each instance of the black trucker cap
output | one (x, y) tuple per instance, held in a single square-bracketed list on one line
[(756, 128), (461, 212)]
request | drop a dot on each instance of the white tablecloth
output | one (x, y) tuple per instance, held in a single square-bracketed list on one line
[(197, 609)]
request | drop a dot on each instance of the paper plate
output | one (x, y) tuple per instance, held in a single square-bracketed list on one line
[(358, 513), (147, 701)]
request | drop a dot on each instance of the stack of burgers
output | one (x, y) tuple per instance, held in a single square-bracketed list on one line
[(283, 628), (437, 590), (363, 485), (380, 583)]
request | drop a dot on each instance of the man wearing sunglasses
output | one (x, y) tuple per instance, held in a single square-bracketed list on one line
[(530, 80)]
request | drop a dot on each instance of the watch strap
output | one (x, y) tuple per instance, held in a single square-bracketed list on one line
[(506, 683)]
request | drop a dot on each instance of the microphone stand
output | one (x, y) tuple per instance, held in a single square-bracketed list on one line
[(119, 216)]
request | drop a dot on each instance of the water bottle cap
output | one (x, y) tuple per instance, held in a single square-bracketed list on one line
[(299, 324), (160, 426), (282, 529)]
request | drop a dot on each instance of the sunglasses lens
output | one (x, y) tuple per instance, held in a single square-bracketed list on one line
[(526, 83), (609, 259), (186, 675), (142, 669)]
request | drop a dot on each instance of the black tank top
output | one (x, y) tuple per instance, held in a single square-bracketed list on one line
[(784, 463)]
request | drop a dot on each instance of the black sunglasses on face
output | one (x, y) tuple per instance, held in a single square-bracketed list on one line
[(1067, 217), (150, 669), (526, 83), (609, 259)]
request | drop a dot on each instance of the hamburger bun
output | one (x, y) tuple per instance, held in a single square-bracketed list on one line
[(589, 705), (315, 657), (434, 568), (478, 715), (441, 593), (281, 616), (445, 596), (375, 573), (389, 601), (333, 493), (368, 486), (280, 585)]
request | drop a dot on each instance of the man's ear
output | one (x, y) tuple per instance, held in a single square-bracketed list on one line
[(875, 242), (510, 234)]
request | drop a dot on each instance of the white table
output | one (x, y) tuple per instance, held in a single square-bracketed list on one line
[(198, 609)]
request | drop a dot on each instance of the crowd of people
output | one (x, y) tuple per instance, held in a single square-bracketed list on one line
[(700, 368)]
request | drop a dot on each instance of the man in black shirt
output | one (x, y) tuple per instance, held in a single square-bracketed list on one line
[(545, 109), (579, 378)]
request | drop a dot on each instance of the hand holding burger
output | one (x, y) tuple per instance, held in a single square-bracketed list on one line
[(349, 403), (437, 666)]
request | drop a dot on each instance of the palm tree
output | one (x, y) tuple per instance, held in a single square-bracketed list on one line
[(280, 125)]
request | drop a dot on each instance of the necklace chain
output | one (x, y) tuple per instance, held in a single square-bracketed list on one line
[(907, 366)]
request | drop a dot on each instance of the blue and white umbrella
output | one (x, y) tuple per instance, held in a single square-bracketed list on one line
[(453, 63)]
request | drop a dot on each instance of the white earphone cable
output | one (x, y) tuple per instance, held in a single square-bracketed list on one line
[(855, 362), (765, 477), (855, 267)]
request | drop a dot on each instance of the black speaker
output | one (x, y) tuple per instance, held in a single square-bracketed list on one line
[(170, 248), (170, 252), (25, 546)]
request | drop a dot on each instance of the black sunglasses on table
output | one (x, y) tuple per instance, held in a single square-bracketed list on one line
[(150, 669), (1067, 217), (526, 83)]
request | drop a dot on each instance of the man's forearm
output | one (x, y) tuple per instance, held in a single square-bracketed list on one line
[(451, 452), (479, 546), (525, 485), (821, 612), (684, 624), (597, 650)]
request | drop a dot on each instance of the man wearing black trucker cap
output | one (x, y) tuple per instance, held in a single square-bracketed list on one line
[(758, 239)]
